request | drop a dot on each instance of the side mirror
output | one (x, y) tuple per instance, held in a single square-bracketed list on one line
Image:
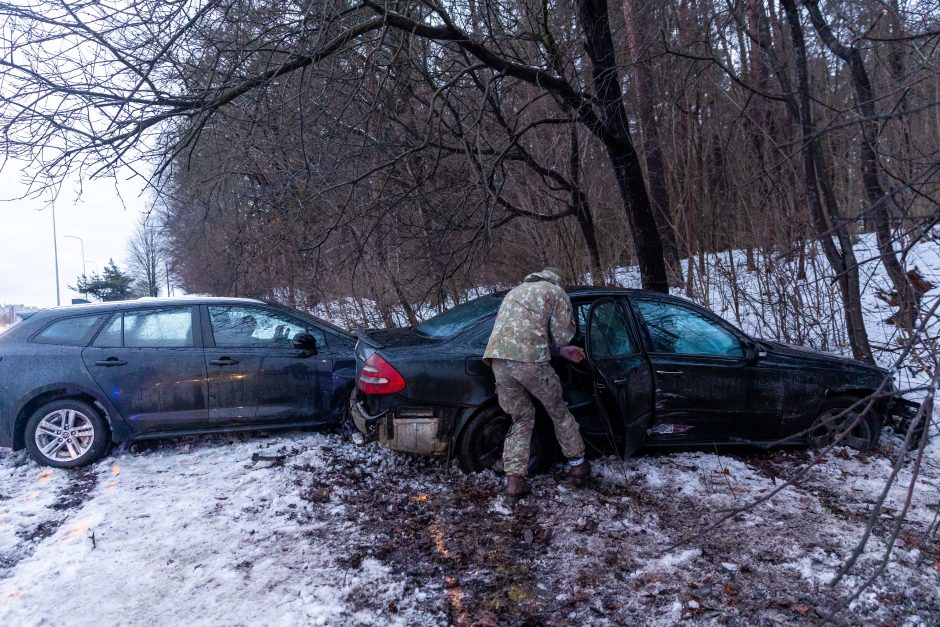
[(306, 342), (753, 352)]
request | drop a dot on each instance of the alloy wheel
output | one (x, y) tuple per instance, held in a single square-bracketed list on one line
[(64, 435)]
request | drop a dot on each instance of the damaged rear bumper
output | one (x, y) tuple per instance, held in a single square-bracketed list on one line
[(410, 430)]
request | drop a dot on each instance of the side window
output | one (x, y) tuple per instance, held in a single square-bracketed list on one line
[(70, 331), (158, 328), (679, 330), (110, 335), (610, 336), (250, 327), (580, 318)]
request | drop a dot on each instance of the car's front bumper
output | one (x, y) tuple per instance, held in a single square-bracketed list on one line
[(413, 431), (902, 414)]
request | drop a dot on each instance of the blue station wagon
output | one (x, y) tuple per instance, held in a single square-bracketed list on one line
[(75, 379)]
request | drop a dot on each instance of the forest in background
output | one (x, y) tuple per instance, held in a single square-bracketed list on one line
[(402, 154)]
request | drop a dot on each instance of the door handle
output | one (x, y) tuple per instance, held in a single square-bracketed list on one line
[(621, 381), (225, 361), (110, 361), (669, 372)]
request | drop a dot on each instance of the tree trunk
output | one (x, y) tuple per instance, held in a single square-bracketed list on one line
[(637, 24), (814, 173), (582, 208), (615, 135), (878, 202)]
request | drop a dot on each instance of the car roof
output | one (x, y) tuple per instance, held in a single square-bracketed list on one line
[(594, 289), (148, 302)]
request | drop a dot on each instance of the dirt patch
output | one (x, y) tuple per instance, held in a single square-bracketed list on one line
[(75, 493), (599, 555)]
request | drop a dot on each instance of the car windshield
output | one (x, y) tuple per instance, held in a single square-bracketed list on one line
[(455, 320)]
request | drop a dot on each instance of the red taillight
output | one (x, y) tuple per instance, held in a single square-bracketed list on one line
[(379, 377)]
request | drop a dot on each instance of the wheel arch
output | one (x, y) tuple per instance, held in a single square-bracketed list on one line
[(57, 392), (542, 420), (466, 416), (857, 392)]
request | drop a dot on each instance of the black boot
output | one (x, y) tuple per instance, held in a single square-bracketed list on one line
[(580, 474), (517, 486)]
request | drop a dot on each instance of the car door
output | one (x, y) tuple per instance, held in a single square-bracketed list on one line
[(257, 376), (707, 388), (623, 379), (150, 364)]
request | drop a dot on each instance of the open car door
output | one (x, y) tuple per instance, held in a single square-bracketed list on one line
[(623, 378)]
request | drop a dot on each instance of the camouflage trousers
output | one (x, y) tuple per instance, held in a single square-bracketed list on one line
[(516, 383)]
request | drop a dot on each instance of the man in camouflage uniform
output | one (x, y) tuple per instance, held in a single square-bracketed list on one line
[(535, 322)]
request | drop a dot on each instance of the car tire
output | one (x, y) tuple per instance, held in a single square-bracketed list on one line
[(481, 444), (836, 415), (51, 443)]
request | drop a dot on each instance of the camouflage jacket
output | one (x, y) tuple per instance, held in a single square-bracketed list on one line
[(534, 321)]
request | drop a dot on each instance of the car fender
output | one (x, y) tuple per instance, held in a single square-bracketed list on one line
[(119, 429)]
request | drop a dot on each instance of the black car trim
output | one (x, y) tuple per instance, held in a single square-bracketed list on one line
[(900, 414), (279, 426)]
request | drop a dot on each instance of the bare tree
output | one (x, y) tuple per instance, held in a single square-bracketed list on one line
[(148, 260), (150, 64)]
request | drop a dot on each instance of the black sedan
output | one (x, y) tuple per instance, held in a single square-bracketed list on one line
[(660, 371), (74, 379)]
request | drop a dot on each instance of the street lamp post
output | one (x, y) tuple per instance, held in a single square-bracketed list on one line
[(80, 241)]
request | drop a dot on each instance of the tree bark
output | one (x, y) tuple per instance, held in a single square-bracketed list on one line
[(636, 25), (878, 206), (614, 133), (582, 207), (814, 174)]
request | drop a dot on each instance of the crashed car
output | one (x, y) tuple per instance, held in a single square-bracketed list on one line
[(660, 371), (75, 379)]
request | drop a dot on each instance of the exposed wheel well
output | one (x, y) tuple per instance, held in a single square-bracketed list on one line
[(47, 397)]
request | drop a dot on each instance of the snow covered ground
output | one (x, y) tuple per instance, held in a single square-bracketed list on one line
[(320, 531)]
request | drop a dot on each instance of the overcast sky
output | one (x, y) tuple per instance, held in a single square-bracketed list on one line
[(103, 217)]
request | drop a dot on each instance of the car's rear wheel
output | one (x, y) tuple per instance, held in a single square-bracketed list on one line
[(66, 434), (481, 445), (840, 416)]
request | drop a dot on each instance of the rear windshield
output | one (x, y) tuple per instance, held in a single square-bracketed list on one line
[(4, 329), (455, 320)]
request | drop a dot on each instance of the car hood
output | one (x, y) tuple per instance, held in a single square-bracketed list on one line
[(801, 352)]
